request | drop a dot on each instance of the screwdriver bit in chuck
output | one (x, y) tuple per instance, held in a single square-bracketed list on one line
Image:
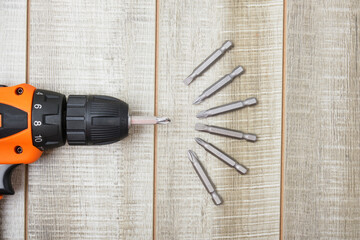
[(204, 177), (225, 132), (148, 120), (222, 156), (222, 82), (226, 108), (208, 62)]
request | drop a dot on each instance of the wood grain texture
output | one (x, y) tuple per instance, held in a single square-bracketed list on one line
[(322, 170), (94, 47), (12, 72), (188, 32)]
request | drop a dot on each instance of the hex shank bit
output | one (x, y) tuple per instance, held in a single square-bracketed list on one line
[(209, 186), (222, 156), (226, 108), (222, 82), (208, 62), (225, 132)]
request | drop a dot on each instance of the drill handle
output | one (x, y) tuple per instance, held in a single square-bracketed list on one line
[(5, 179)]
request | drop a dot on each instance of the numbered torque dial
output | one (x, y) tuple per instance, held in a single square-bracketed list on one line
[(48, 119)]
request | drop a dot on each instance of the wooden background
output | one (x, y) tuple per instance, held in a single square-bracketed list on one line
[(322, 167), (304, 173)]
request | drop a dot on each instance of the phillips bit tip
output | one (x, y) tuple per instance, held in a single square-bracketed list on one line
[(200, 141), (192, 156), (162, 120), (148, 120)]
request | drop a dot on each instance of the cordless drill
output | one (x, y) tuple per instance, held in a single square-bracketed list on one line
[(33, 120)]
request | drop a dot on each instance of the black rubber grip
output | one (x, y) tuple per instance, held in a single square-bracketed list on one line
[(5, 178), (95, 120)]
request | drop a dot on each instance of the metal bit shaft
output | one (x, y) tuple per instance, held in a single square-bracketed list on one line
[(222, 156), (209, 186), (208, 62), (226, 108), (148, 120), (225, 132), (222, 82)]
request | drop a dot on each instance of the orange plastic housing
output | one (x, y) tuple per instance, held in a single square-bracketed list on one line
[(8, 144)]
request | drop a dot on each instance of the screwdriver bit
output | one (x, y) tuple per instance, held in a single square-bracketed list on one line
[(226, 108), (148, 120), (208, 62), (222, 82), (222, 156), (225, 132), (204, 177)]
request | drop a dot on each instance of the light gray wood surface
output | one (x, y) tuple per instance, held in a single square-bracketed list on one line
[(12, 72), (188, 32), (108, 47), (322, 167), (97, 47)]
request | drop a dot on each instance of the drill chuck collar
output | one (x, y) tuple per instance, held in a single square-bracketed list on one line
[(82, 120)]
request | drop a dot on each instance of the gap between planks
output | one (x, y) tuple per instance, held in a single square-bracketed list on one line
[(27, 74), (282, 175), (155, 112)]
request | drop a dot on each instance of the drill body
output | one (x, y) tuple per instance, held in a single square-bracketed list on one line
[(33, 120)]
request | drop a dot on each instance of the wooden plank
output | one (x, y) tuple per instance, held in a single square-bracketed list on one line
[(322, 170), (96, 47), (188, 32), (12, 72)]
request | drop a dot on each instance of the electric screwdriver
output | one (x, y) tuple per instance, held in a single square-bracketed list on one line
[(34, 120)]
